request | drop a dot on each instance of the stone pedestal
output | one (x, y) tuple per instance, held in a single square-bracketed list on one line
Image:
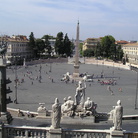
[(78, 120), (76, 71), (55, 133), (116, 134)]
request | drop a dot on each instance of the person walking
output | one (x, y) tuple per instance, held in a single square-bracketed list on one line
[(110, 90)]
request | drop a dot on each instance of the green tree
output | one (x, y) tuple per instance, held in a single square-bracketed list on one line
[(67, 46), (32, 44), (120, 53), (98, 50), (88, 53), (59, 46), (40, 46), (48, 47), (107, 43)]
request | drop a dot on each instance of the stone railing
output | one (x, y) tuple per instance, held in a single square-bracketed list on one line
[(25, 132), (130, 134), (83, 133), (10, 131)]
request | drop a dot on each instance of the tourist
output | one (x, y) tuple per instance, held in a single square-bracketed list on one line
[(110, 90)]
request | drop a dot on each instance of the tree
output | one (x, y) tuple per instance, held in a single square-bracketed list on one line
[(32, 44), (88, 53), (47, 43), (120, 53), (67, 46), (98, 50), (59, 47), (107, 43), (40, 46)]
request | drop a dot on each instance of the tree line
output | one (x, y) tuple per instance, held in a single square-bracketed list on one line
[(41, 46), (107, 48)]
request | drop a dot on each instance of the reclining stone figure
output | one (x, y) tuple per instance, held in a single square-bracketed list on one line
[(68, 107)]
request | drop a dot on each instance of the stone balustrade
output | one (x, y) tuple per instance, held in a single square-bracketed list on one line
[(85, 133), (10, 131), (25, 132)]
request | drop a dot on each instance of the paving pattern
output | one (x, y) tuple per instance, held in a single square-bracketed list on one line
[(31, 92)]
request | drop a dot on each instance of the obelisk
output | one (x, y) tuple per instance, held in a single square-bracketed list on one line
[(76, 65)]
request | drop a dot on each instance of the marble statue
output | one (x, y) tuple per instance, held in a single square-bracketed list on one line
[(68, 107), (66, 77), (3, 48), (56, 114), (80, 94), (89, 107), (42, 110), (63, 105), (117, 116)]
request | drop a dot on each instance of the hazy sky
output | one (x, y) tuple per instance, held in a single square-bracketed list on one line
[(97, 18)]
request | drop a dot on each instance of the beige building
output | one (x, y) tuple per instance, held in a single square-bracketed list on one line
[(17, 46), (91, 43), (131, 52)]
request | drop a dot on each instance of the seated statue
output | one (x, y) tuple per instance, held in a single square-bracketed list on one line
[(68, 107), (89, 107)]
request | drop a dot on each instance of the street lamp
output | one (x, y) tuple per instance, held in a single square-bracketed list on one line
[(136, 92), (16, 79), (103, 66), (40, 77), (50, 66), (113, 69)]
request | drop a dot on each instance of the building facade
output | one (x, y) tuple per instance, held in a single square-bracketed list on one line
[(131, 52), (91, 43), (17, 46)]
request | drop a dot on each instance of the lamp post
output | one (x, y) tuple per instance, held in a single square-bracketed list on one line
[(16, 79), (103, 66), (50, 66), (113, 70), (40, 77), (136, 92)]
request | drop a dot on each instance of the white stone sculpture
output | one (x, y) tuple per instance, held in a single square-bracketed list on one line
[(56, 114), (68, 107), (42, 110), (80, 94), (66, 77), (63, 105), (89, 107), (117, 116)]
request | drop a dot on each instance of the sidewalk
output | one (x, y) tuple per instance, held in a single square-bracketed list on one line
[(107, 63), (100, 62)]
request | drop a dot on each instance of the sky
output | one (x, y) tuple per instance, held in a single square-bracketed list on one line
[(97, 18)]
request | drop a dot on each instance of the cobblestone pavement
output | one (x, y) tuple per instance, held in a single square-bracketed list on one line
[(31, 92)]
